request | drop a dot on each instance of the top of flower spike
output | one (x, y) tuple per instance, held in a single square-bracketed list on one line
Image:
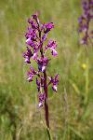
[(35, 29), (34, 22), (35, 16), (35, 36)]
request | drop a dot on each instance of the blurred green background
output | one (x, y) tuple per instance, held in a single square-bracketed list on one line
[(71, 109)]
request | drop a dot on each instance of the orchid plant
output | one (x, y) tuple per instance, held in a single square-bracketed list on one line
[(85, 22), (36, 38)]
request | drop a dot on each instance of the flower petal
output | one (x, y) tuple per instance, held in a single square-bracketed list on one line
[(54, 52)]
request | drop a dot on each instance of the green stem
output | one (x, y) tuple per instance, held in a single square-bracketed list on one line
[(49, 134)]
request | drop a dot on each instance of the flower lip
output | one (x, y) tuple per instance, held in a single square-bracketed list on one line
[(54, 87), (54, 52)]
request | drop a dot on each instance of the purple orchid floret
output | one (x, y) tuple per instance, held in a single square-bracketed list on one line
[(42, 63), (48, 27), (31, 33), (54, 81), (42, 98), (33, 24), (85, 20), (31, 37), (52, 45), (31, 73), (30, 76), (27, 55)]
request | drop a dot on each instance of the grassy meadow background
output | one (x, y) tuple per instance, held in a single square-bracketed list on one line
[(71, 108)]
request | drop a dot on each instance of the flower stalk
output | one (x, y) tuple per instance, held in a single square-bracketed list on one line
[(45, 103)]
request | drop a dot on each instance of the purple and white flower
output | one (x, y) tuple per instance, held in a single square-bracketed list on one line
[(54, 81)]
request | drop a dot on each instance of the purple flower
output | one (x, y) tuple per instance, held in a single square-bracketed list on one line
[(31, 73), (52, 46), (27, 55), (42, 98), (33, 24), (42, 63), (48, 27), (54, 81), (31, 33), (29, 42)]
